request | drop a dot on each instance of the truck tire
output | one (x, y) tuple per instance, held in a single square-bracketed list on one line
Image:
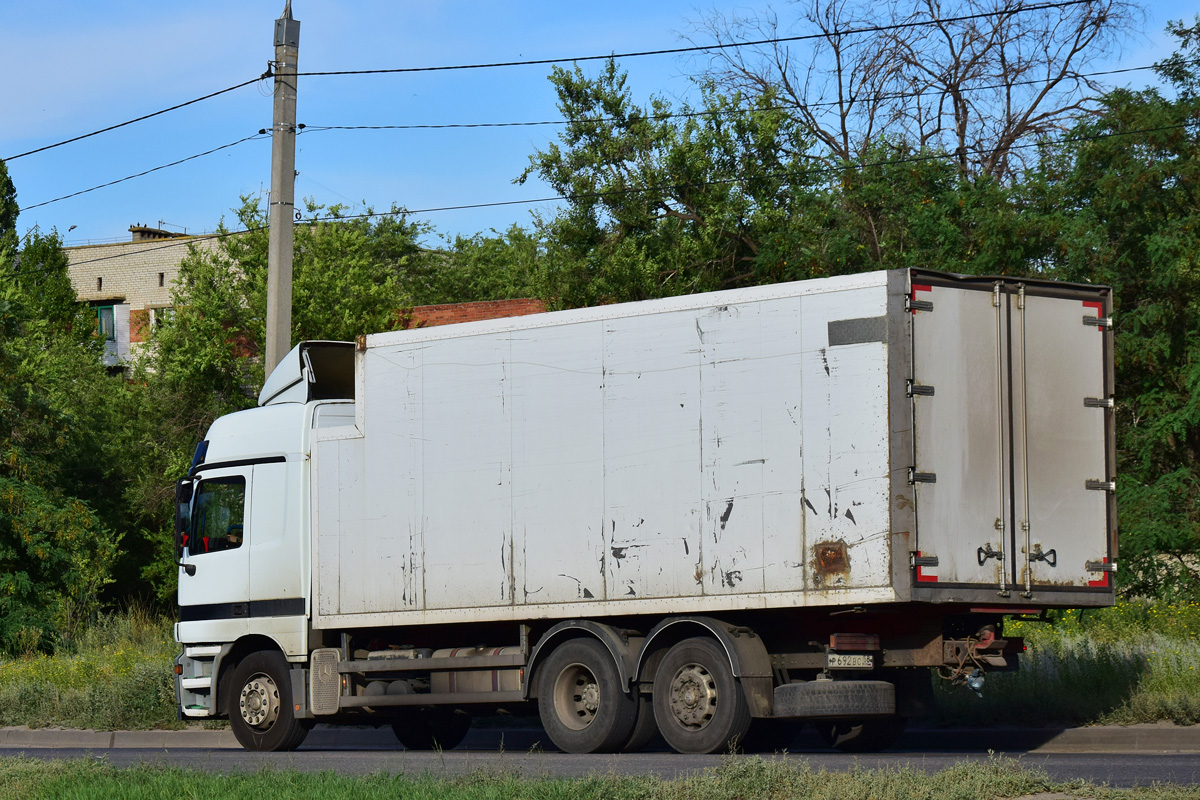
[(260, 711), (867, 735), (644, 729), (581, 702), (699, 705), (431, 728)]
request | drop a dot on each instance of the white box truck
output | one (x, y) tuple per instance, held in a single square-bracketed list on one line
[(683, 515)]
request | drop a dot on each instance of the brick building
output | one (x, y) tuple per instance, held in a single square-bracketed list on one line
[(129, 283), (450, 313)]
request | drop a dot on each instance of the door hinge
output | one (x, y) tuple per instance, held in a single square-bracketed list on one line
[(915, 389), (1101, 486), (1098, 322), (920, 477), (1098, 402), (917, 305)]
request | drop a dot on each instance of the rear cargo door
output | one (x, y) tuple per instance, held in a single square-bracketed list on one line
[(1012, 464), (1061, 406), (960, 474)]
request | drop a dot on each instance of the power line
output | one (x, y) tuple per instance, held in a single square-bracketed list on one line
[(706, 47), (148, 171), (667, 51), (175, 107), (691, 114), (620, 192), (469, 125)]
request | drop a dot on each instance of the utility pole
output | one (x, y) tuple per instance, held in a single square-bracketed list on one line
[(281, 214)]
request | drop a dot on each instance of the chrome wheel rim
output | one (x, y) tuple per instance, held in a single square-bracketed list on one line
[(259, 702)]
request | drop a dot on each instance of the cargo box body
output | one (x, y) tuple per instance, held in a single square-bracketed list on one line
[(891, 437)]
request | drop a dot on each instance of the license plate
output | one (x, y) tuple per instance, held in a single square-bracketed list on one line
[(843, 661)]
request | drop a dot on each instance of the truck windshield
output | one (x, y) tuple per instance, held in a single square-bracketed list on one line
[(217, 521)]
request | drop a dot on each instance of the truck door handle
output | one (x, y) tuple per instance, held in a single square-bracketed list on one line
[(1050, 556), (984, 554), (240, 609)]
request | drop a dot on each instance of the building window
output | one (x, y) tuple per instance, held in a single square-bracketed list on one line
[(99, 284), (106, 323), (162, 279)]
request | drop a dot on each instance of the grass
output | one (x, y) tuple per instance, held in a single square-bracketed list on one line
[(117, 676), (1135, 662), (735, 779)]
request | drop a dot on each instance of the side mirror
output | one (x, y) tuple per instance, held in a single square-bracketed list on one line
[(183, 518)]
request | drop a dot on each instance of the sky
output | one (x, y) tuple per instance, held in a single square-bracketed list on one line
[(72, 67)]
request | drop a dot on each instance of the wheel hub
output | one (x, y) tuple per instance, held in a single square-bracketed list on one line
[(576, 696), (693, 696), (259, 702)]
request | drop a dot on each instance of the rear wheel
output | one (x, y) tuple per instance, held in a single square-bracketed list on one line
[(431, 728), (699, 705), (260, 708), (581, 702), (645, 729), (867, 735)]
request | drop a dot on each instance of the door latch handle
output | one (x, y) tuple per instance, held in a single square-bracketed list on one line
[(986, 552), (1050, 556)]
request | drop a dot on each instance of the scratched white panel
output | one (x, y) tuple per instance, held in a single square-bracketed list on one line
[(558, 470), (652, 456), (751, 385), (467, 522), (388, 567), (846, 478), (327, 517)]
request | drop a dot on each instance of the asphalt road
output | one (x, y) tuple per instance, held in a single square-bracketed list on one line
[(1122, 757)]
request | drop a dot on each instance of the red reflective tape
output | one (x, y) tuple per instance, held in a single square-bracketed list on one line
[(1096, 304), (1103, 581), (919, 287), (922, 577)]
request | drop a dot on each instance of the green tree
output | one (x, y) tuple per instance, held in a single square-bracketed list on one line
[(59, 513), (1128, 215), (500, 266), (663, 202)]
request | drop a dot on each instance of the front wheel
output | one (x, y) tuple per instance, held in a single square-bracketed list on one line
[(699, 705), (260, 711), (583, 706)]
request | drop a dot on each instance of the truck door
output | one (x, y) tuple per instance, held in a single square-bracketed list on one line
[(961, 477), (1012, 475), (1061, 408), (214, 601)]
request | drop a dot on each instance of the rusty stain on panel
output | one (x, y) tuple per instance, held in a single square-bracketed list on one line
[(831, 563)]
